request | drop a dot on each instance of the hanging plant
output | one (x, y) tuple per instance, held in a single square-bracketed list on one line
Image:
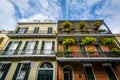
[(68, 41), (97, 24), (108, 41), (88, 41), (101, 30), (82, 26), (114, 51), (91, 50), (67, 26)]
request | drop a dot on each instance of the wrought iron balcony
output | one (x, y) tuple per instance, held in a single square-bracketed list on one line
[(30, 33), (13, 54)]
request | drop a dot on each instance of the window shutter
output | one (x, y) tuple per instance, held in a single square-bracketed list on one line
[(17, 49), (16, 71), (26, 30), (27, 71), (49, 29), (35, 48), (42, 47), (7, 47), (24, 49), (6, 69), (17, 30)]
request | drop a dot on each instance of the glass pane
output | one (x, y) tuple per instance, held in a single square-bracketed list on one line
[(67, 73), (47, 48), (46, 65), (12, 48)]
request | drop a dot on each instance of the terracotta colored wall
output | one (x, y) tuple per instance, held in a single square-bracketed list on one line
[(99, 72), (77, 71)]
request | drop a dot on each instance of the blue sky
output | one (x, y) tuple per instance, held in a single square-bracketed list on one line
[(13, 11)]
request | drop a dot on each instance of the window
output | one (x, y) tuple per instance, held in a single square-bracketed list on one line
[(68, 75), (36, 30), (12, 47), (22, 71), (45, 71), (89, 73), (49, 29), (47, 47), (22, 30), (4, 67), (30, 47), (110, 72)]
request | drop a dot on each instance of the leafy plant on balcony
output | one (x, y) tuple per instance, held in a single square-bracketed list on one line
[(97, 24), (101, 30), (108, 41), (67, 42), (91, 50), (114, 51), (60, 53), (82, 26), (67, 26), (88, 41)]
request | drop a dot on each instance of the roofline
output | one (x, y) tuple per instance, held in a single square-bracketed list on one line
[(37, 23)]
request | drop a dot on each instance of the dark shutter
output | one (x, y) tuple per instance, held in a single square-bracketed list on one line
[(16, 71), (17, 30), (42, 47), (7, 47), (27, 71), (53, 47), (17, 49), (36, 30), (26, 30), (6, 69), (24, 49), (35, 48)]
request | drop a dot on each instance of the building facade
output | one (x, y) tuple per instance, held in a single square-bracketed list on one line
[(66, 50), (29, 53), (87, 50)]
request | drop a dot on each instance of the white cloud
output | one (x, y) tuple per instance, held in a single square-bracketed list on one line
[(7, 12)]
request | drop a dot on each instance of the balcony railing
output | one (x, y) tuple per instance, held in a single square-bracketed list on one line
[(84, 32), (27, 52), (86, 54), (31, 33)]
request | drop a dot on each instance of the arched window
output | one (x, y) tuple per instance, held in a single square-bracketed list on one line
[(68, 73), (45, 71)]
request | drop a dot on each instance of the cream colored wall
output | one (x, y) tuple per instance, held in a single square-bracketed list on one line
[(42, 26), (4, 41), (33, 70)]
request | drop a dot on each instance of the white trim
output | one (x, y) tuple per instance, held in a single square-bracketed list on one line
[(5, 62), (71, 69), (93, 72), (87, 64)]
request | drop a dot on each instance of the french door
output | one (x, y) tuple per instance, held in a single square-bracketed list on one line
[(30, 47), (22, 30), (45, 75), (47, 48), (12, 48)]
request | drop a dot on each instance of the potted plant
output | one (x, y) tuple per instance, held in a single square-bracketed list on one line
[(67, 26), (101, 30), (66, 44), (89, 44), (91, 50), (114, 51), (97, 24), (60, 53)]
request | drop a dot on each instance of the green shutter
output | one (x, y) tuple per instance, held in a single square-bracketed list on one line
[(27, 71), (7, 47), (17, 30), (17, 49), (24, 49), (26, 30), (16, 71), (53, 47), (6, 69), (42, 47), (35, 48)]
